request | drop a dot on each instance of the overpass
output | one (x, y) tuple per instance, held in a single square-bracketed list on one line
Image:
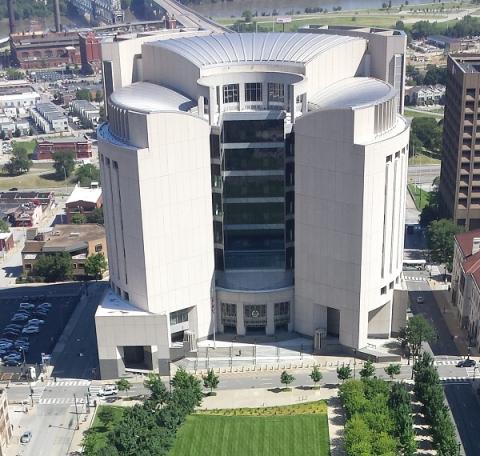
[(188, 17)]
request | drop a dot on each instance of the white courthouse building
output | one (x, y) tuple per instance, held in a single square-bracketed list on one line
[(253, 183)]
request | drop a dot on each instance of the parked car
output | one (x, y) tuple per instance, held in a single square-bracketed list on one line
[(6, 345), (466, 363), (11, 362), (20, 317), (14, 326), (108, 390), (26, 305), (26, 437), (420, 300), (31, 330), (47, 305), (40, 312), (35, 321)]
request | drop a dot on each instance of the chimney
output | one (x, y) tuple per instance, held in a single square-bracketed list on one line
[(11, 15), (475, 245), (56, 12)]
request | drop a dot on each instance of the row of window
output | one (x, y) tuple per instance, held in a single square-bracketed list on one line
[(254, 92), (180, 316)]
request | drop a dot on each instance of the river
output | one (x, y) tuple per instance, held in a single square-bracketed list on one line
[(236, 7)]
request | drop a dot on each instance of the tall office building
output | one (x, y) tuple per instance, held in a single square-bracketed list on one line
[(460, 173), (253, 183)]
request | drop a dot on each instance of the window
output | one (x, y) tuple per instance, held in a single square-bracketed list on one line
[(126, 296), (28, 266), (276, 92), (282, 308), (98, 248), (180, 316), (253, 91), (252, 131), (383, 290), (230, 93), (81, 265)]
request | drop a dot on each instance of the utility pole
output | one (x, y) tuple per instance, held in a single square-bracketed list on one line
[(76, 410), (354, 361)]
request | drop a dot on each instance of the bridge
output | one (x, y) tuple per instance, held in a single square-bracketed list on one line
[(188, 17)]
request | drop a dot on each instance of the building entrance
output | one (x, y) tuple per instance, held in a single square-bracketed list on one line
[(255, 318)]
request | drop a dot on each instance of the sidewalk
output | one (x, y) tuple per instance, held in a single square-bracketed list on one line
[(449, 313)]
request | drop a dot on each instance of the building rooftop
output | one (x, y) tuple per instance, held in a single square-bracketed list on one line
[(252, 47), (114, 306), (91, 195), (147, 97), (66, 238), (443, 39), (64, 139), (465, 241), (352, 93)]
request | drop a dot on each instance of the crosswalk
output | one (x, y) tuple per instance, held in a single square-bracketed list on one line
[(61, 401), (94, 389), (468, 378), (415, 278), (37, 393), (67, 382), (447, 362)]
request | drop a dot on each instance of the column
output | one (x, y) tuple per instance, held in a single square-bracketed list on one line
[(270, 329), (212, 105), (240, 321), (200, 107), (241, 96), (291, 102), (304, 103)]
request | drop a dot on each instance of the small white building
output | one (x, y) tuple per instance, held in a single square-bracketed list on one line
[(17, 95), (425, 95)]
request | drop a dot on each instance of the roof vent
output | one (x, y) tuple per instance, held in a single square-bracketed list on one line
[(475, 245), (75, 234)]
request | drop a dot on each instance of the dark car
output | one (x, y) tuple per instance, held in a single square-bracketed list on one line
[(13, 189), (467, 363), (12, 363)]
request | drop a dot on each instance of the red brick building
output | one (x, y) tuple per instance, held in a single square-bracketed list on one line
[(81, 147), (45, 50), (90, 52), (83, 201)]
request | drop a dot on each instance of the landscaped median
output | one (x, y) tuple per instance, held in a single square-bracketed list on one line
[(300, 429)]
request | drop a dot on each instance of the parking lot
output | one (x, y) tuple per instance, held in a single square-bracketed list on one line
[(49, 332)]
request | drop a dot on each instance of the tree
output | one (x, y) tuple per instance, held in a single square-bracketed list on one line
[(210, 380), (106, 414), (286, 379), (316, 375), (96, 216), (428, 132), (392, 369), (368, 369), (123, 385), (440, 240), (344, 373), (86, 174), (54, 267), (64, 163), (183, 381), (4, 228), (79, 219), (431, 211), (247, 16), (19, 162), (96, 265), (417, 331), (83, 94), (99, 94), (158, 393)]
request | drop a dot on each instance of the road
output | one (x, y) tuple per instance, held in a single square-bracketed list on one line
[(423, 175)]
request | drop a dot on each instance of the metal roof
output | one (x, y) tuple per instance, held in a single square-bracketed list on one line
[(147, 97), (352, 93), (228, 48)]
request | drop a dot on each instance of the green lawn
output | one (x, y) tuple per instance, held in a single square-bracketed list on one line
[(421, 160), (273, 433), (420, 197), (414, 113), (97, 434)]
